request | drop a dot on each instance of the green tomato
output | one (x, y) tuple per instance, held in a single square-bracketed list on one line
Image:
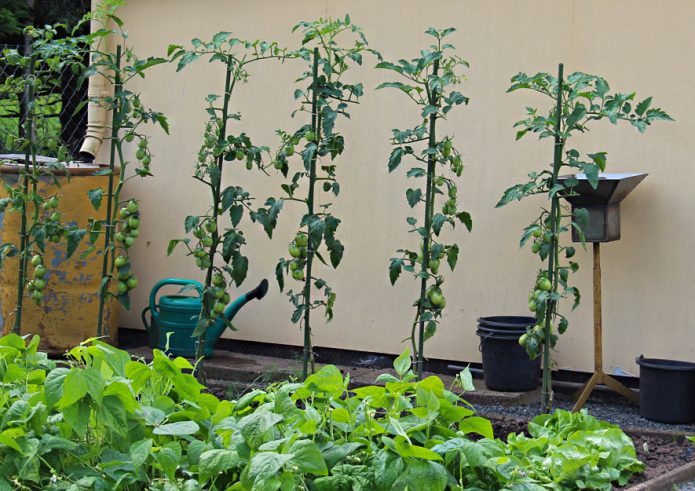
[(37, 295), (207, 241), (132, 282), (239, 154), (569, 252), (523, 339), (129, 241), (140, 154), (40, 271), (120, 237), (434, 266), (142, 143), (134, 233), (53, 202), (294, 251), (219, 293), (219, 307), (129, 137), (301, 240), (289, 150), (538, 331), (122, 287), (133, 222), (532, 306), (226, 298), (298, 274), (55, 216), (123, 213), (294, 266), (535, 247), (217, 279), (452, 192), (451, 203), (537, 233), (310, 136), (211, 226), (277, 164), (446, 151), (544, 284), (436, 298), (146, 160), (36, 260), (121, 261), (132, 206)]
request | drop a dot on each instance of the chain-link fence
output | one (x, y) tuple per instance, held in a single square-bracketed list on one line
[(63, 121)]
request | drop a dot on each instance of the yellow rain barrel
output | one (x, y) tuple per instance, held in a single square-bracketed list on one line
[(70, 307)]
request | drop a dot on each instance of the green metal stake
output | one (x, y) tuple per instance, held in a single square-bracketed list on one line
[(316, 128), (29, 162), (546, 389), (429, 209), (115, 123)]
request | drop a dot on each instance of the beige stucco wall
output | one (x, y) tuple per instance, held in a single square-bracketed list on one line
[(638, 45)]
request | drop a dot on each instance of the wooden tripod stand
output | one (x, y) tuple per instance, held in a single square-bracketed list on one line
[(599, 377)]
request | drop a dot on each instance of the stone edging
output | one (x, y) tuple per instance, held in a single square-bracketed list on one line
[(681, 474)]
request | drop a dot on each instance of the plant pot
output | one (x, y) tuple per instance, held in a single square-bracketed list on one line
[(70, 307), (506, 365), (667, 390)]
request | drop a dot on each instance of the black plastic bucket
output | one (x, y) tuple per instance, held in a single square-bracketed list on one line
[(667, 390), (506, 365)]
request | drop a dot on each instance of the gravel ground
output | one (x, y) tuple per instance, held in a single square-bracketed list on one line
[(687, 486), (626, 416)]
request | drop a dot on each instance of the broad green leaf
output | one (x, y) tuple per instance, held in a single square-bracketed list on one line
[(179, 428)]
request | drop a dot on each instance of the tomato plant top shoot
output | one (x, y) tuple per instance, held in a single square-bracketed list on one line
[(430, 80), (578, 100)]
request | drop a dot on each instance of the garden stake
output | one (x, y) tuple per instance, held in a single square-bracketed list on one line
[(546, 387), (316, 128), (115, 122), (29, 163)]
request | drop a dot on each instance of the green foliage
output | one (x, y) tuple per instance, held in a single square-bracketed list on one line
[(103, 421), (120, 227), (32, 80), (578, 101), (324, 97), (220, 149), (429, 83)]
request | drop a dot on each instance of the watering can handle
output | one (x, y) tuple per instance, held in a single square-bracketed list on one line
[(170, 281)]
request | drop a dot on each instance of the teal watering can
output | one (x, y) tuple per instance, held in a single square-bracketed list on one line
[(176, 316)]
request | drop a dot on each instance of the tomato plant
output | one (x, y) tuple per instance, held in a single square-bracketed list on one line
[(220, 149), (35, 75), (429, 83), (578, 101), (121, 225), (325, 96)]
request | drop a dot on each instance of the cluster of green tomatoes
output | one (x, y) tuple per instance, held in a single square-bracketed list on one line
[(298, 250), (125, 237), (219, 292), (53, 229), (204, 236), (449, 154), (36, 285)]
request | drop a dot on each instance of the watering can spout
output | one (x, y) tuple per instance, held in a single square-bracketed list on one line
[(216, 330)]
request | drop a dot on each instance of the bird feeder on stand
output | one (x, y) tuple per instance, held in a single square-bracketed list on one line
[(602, 225)]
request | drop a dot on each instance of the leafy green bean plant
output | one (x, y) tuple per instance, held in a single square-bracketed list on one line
[(35, 76), (219, 150), (578, 101), (430, 80), (121, 225), (324, 97), (100, 420)]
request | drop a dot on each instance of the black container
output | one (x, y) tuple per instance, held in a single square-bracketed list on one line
[(506, 365), (667, 390)]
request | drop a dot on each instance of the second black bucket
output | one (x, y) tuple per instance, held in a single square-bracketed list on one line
[(506, 365), (667, 390)]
